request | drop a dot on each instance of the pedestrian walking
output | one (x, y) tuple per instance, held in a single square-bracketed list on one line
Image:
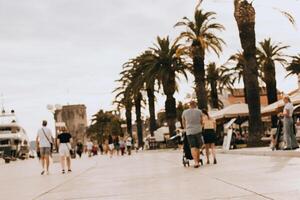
[(122, 146), (79, 148), (129, 144), (89, 147), (117, 144), (110, 145), (64, 140), (44, 144), (192, 122), (209, 135), (101, 148), (288, 125)]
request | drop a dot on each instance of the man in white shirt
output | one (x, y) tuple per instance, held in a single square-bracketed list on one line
[(192, 123), (288, 125), (44, 140), (89, 147)]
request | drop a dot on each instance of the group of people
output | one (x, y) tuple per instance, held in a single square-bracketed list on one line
[(200, 129), (44, 146), (112, 145)]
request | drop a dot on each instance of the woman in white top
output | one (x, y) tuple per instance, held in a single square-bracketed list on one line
[(288, 125)]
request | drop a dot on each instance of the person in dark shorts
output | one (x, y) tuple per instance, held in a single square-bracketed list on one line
[(209, 135), (192, 119)]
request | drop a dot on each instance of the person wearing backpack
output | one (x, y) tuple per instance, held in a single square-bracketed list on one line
[(44, 144)]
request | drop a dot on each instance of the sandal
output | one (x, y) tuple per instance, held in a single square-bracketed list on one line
[(43, 172), (69, 170), (63, 171)]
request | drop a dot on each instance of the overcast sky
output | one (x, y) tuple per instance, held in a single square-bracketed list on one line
[(71, 51)]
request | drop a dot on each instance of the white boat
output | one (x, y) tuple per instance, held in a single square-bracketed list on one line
[(14, 142)]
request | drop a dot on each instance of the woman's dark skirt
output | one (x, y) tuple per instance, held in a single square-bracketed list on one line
[(209, 136)]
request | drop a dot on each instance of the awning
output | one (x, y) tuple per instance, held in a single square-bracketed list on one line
[(231, 111), (277, 107)]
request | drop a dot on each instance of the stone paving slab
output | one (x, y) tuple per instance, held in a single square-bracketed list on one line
[(156, 175)]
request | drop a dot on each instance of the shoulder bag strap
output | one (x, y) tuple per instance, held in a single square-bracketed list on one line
[(46, 136)]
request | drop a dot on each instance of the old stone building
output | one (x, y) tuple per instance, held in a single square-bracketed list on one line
[(75, 119)]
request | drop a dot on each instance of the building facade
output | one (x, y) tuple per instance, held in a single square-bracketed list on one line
[(75, 119)]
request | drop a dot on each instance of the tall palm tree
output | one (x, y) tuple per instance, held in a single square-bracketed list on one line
[(294, 67), (268, 54), (164, 65), (244, 14), (129, 74), (218, 79), (148, 84), (200, 37), (123, 100)]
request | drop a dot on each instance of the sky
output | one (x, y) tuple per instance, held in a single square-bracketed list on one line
[(72, 51)]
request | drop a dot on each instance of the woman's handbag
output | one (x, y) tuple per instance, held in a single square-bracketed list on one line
[(72, 152)]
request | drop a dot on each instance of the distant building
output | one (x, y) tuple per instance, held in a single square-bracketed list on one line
[(237, 95), (75, 119)]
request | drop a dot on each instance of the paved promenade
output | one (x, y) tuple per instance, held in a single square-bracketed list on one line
[(154, 175)]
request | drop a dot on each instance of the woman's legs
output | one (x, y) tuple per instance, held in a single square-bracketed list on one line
[(207, 153), (69, 163), (62, 162), (213, 150)]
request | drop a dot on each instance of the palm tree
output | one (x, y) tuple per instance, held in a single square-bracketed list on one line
[(124, 100), (164, 65), (268, 54), (200, 37), (294, 67), (129, 74), (218, 79), (147, 84), (244, 14)]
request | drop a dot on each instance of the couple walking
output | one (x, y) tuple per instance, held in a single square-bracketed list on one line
[(200, 129), (44, 147)]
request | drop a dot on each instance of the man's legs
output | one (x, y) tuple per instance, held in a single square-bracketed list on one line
[(47, 162), (195, 154)]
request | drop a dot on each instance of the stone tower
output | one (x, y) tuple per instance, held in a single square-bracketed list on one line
[(75, 118)]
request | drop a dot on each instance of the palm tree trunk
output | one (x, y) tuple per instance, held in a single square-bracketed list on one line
[(169, 85), (214, 95), (199, 74), (128, 119), (271, 86), (245, 17), (151, 104), (139, 123), (170, 106)]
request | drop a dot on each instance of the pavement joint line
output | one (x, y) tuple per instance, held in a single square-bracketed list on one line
[(228, 183), (67, 181), (240, 187)]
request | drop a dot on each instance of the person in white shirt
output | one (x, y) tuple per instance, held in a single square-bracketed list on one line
[(288, 125), (89, 147), (44, 141)]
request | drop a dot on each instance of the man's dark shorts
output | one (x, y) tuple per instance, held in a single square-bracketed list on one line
[(195, 140)]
